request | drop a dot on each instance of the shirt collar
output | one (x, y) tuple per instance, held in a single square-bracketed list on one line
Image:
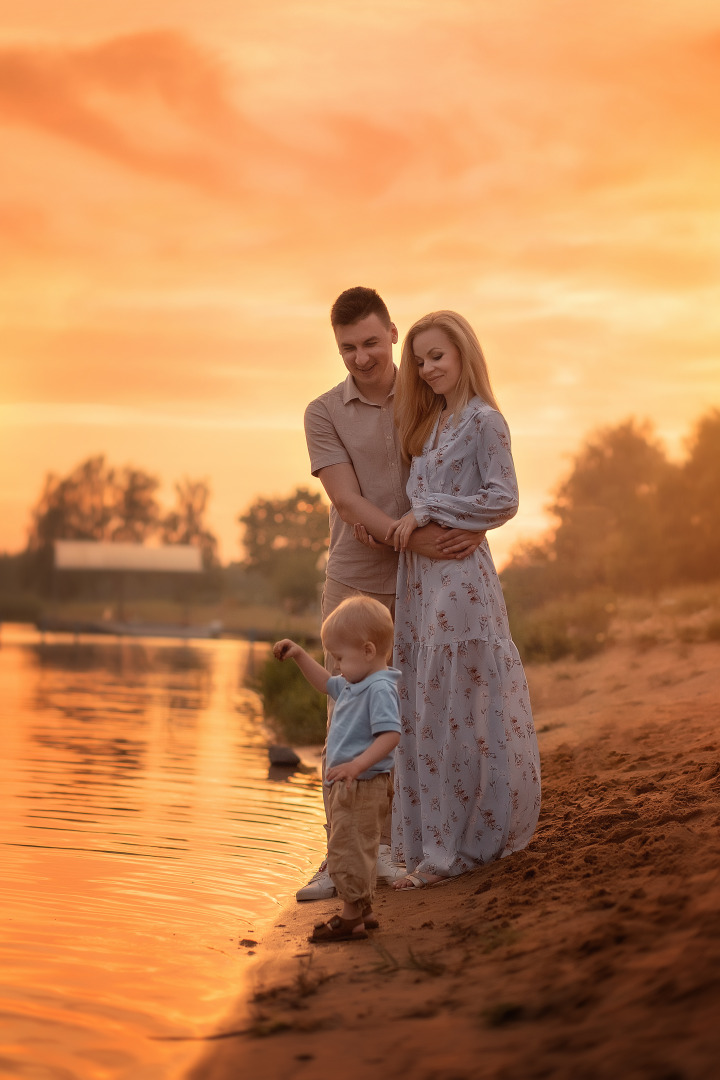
[(351, 392), (390, 675)]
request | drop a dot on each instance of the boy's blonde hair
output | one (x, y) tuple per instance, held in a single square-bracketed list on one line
[(357, 620)]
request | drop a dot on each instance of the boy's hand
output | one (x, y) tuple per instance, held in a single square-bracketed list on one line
[(348, 772), (315, 673), (286, 649)]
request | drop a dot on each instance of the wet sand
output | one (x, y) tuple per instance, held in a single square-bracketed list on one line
[(595, 953)]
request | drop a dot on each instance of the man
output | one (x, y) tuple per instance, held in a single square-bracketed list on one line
[(354, 450)]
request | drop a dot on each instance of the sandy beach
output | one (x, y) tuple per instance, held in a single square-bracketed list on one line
[(594, 953)]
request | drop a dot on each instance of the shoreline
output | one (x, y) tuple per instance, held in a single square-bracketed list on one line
[(594, 953)]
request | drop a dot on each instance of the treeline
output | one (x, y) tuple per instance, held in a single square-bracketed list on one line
[(97, 501), (629, 520), (284, 539)]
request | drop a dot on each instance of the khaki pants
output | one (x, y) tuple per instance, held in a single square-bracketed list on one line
[(334, 592), (357, 815)]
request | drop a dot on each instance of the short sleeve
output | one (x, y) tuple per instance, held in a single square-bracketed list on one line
[(325, 446), (335, 686), (384, 708)]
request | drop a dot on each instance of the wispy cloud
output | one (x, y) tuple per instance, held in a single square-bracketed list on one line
[(56, 414), (154, 102), (179, 207)]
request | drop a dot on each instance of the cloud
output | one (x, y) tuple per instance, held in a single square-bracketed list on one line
[(24, 226), (178, 217), (153, 102)]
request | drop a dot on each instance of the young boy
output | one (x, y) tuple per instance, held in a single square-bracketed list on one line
[(363, 734)]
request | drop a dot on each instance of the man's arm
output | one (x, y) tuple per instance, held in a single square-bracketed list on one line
[(343, 490)]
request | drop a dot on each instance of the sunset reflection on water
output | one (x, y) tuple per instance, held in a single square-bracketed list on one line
[(143, 838)]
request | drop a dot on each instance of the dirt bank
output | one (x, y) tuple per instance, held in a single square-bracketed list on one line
[(593, 954)]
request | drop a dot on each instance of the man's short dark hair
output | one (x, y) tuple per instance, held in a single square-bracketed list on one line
[(357, 303)]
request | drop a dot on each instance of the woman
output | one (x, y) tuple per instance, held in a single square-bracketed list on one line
[(467, 774)]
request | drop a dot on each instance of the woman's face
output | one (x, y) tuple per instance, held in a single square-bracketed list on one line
[(438, 360)]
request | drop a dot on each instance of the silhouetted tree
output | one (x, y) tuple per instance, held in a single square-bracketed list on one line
[(80, 506), (93, 502), (614, 531), (696, 510), (610, 531), (285, 540), (186, 523), (136, 506)]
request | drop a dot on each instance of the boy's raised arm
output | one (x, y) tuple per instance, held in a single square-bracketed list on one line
[(315, 673)]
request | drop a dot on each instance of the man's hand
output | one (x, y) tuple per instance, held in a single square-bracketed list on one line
[(436, 542), (433, 541)]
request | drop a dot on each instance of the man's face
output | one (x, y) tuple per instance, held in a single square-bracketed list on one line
[(366, 349)]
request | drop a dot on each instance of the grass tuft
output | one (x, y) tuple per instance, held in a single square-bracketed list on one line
[(574, 626), (296, 712)]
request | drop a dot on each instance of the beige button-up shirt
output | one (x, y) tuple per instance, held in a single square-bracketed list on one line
[(341, 427)]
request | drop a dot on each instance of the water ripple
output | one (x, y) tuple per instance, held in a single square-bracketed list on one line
[(143, 837)]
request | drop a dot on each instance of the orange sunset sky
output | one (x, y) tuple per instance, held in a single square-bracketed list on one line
[(186, 185)]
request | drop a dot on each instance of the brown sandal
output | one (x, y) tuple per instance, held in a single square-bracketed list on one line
[(369, 919), (338, 929)]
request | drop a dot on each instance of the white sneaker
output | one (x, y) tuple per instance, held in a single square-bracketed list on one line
[(387, 870), (319, 887)]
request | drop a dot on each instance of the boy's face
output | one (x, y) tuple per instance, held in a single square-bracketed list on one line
[(356, 662)]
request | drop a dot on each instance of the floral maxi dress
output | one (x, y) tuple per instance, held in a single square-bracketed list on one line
[(467, 770)]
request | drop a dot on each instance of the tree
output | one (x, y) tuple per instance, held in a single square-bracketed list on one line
[(696, 509), (610, 532), (93, 502), (613, 531), (136, 506), (285, 540), (80, 506), (186, 523)]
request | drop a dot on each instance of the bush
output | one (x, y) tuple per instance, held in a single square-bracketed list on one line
[(295, 711), (575, 626), (19, 607)]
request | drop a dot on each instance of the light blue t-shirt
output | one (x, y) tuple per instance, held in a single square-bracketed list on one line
[(362, 710)]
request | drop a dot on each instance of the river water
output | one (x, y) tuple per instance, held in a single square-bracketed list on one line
[(144, 838)]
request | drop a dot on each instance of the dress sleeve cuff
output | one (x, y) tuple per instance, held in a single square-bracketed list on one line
[(422, 514)]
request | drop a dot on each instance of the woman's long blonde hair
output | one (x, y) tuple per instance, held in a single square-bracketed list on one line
[(417, 407)]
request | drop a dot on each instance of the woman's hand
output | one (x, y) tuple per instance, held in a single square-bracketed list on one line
[(400, 531), (361, 534)]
